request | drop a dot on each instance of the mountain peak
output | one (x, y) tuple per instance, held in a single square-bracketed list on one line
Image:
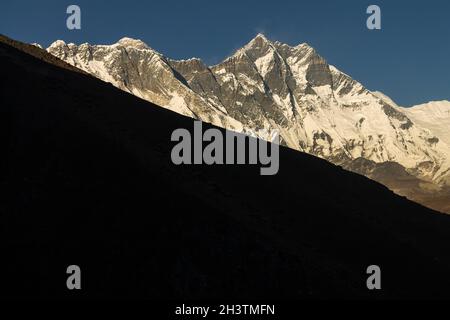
[(304, 45), (135, 43), (259, 42), (57, 43), (259, 39), (261, 36)]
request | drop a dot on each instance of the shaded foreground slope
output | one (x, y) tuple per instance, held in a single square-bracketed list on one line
[(86, 179)]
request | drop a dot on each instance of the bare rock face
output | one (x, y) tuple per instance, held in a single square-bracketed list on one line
[(273, 86)]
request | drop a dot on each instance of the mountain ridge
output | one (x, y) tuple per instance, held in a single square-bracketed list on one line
[(266, 86)]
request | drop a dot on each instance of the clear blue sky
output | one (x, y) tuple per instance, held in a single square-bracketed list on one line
[(409, 59)]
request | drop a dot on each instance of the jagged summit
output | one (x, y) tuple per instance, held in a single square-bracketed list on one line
[(57, 43), (260, 37), (135, 43), (260, 40)]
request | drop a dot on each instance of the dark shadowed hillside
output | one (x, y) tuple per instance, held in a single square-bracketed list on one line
[(38, 53), (86, 178)]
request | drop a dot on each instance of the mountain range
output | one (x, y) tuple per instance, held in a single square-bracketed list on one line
[(267, 85), (86, 178)]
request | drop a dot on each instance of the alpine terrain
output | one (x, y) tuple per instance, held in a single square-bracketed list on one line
[(86, 179), (315, 107)]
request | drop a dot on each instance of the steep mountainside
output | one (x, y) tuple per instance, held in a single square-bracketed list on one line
[(268, 86), (86, 178)]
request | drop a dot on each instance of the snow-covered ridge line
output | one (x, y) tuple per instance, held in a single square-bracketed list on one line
[(139, 44)]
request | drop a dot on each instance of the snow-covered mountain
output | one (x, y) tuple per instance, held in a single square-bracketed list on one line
[(434, 116), (270, 85)]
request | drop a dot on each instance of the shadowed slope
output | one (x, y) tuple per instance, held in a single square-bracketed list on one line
[(38, 53)]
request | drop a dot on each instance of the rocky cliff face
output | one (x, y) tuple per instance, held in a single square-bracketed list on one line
[(269, 86)]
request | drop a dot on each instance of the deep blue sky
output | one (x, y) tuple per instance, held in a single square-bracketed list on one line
[(409, 59)]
